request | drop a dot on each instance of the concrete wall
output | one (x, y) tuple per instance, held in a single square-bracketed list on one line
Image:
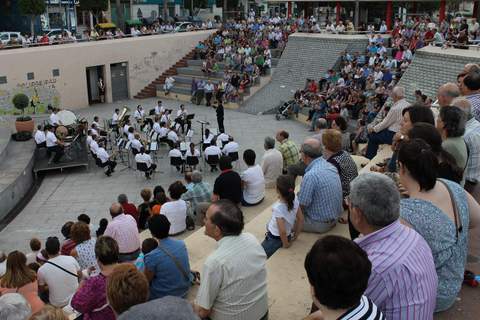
[(147, 58)]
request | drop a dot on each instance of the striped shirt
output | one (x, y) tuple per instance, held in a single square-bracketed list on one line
[(234, 280), (289, 152), (321, 191), (475, 102), (472, 140), (365, 310), (123, 229), (403, 282)]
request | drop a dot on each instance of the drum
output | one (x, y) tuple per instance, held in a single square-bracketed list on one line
[(61, 132), (67, 118)]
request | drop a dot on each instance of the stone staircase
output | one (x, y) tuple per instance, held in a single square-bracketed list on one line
[(305, 56), (151, 90), (434, 66)]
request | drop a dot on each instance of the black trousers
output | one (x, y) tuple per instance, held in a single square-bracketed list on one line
[(221, 128), (150, 170), (110, 164), (57, 150), (208, 97)]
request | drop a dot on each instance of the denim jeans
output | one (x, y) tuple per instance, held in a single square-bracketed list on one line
[(377, 138), (271, 244)]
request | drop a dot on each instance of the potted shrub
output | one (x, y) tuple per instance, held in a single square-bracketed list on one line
[(23, 123)]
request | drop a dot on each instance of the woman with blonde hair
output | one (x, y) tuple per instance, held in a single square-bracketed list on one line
[(49, 312), (19, 278)]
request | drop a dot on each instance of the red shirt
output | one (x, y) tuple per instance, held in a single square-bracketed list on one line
[(129, 208), (44, 39)]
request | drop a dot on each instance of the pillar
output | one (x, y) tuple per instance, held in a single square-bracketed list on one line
[(356, 15), (441, 13), (475, 9), (337, 10), (289, 8), (414, 7), (388, 18)]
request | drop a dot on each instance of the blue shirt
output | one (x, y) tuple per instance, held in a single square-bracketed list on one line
[(321, 191), (168, 280)]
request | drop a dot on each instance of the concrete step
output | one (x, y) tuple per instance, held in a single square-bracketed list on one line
[(196, 71), (222, 64)]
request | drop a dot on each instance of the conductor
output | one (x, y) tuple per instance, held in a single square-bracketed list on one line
[(220, 113)]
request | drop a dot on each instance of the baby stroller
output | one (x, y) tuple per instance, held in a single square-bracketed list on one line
[(285, 110)]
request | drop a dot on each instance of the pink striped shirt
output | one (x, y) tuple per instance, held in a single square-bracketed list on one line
[(403, 283), (123, 228)]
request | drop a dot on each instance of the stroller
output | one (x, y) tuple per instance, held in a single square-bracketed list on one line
[(285, 110)]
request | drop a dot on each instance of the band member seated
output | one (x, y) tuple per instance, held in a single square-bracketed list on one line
[(172, 137), (54, 120), (224, 138), (182, 117), (115, 115), (96, 125), (213, 150), (159, 109), (139, 113), (143, 157), (162, 132), (207, 139), (136, 144), (54, 146), (130, 134), (94, 145), (230, 147), (166, 117), (40, 138), (105, 160), (126, 127), (176, 153), (192, 152)]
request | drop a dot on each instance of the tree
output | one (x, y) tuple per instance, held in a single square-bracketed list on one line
[(120, 18), (32, 8), (94, 7)]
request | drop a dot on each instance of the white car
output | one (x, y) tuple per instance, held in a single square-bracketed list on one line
[(8, 36)]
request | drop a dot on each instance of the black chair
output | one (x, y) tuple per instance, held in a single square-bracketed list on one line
[(205, 146), (213, 162), (192, 161), (233, 156), (142, 167), (178, 163)]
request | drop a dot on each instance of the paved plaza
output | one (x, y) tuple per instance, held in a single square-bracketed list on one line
[(63, 196)]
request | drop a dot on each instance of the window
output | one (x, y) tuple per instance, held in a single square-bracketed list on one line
[(3, 79), (56, 72), (30, 76)]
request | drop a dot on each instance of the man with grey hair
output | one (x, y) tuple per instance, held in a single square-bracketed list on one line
[(383, 132), (322, 125), (13, 306), (446, 93), (320, 193), (272, 163), (403, 279), (472, 140), (199, 196)]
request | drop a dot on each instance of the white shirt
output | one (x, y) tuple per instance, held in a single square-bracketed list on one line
[(175, 153), (94, 147), (130, 136), (254, 189), (54, 119), (156, 127), (163, 132), (165, 118), (144, 158), (208, 139), (159, 109), (230, 147), (280, 210), (40, 137), (272, 165), (138, 114), (212, 151), (61, 285), (136, 144), (394, 117), (94, 132), (51, 139), (172, 135), (196, 153), (223, 137), (125, 128), (102, 154), (176, 213), (180, 113), (114, 118)]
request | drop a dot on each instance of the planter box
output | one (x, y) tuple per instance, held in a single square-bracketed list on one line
[(22, 126)]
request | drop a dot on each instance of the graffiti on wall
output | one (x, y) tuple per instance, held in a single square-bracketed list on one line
[(41, 94)]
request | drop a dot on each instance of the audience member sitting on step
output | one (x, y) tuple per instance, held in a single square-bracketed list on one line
[(451, 125), (243, 293), (176, 209), (272, 163), (403, 279), (338, 271), (199, 196), (286, 222), (228, 184), (128, 208), (253, 182), (320, 193)]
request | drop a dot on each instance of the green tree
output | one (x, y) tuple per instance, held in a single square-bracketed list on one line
[(32, 8), (94, 7)]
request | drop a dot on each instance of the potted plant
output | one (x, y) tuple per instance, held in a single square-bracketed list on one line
[(23, 123)]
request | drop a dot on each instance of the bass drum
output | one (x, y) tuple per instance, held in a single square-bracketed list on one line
[(67, 118), (61, 132)]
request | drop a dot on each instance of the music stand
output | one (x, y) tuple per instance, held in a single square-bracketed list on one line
[(202, 123)]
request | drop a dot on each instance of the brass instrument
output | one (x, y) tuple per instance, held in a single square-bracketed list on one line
[(123, 117)]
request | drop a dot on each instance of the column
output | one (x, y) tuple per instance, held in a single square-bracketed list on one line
[(356, 15), (289, 9), (337, 10), (388, 18), (414, 7), (441, 13), (475, 9)]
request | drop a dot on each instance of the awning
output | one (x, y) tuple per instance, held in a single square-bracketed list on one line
[(107, 25), (134, 22)]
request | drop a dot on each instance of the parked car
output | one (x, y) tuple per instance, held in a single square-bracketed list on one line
[(7, 37), (184, 26), (52, 34)]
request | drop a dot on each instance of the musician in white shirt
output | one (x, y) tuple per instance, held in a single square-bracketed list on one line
[(207, 138), (139, 113), (182, 117), (159, 109), (223, 137), (156, 126), (143, 157), (213, 150), (94, 145), (105, 160), (126, 127), (230, 147), (176, 153), (115, 117), (136, 144), (40, 138), (130, 134), (172, 137), (53, 145), (54, 120), (192, 152), (165, 117)]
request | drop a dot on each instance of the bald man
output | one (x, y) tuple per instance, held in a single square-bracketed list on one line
[(470, 88), (320, 193), (472, 140), (446, 93), (123, 228)]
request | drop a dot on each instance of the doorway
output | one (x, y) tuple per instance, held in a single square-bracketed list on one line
[(93, 74), (119, 81)]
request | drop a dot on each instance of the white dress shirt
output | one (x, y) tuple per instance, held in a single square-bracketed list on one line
[(102, 154), (176, 213), (94, 147), (156, 127), (136, 144), (139, 114), (196, 153), (180, 113), (208, 139), (144, 158), (54, 120), (51, 139), (394, 117), (163, 132), (125, 128), (223, 137), (94, 132), (212, 151), (172, 135), (175, 153), (115, 118), (40, 137), (230, 147), (159, 109), (131, 136), (89, 140)]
